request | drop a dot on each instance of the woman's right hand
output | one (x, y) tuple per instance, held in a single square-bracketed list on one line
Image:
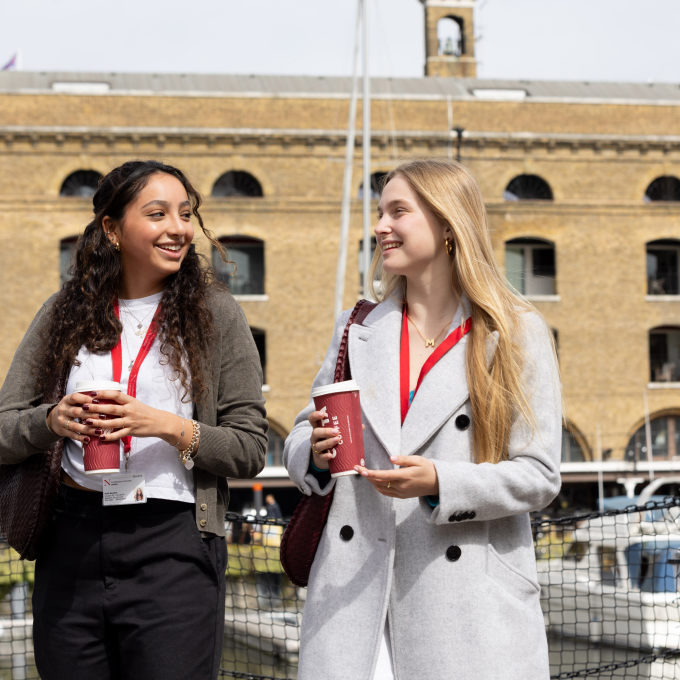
[(62, 418), (323, 439)]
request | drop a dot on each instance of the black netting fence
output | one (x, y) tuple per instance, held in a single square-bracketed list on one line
[(609, 594)]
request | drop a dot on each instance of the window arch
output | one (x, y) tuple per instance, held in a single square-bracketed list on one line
[(67, 252), (451, 36), (377, 179), (665, 436), (530, 266), (260, 338), (237, 183), (528, 188), (663, 257), (244, 275), (275, 446), (664, 354), (665, 188), (572, 451), (81, 183)]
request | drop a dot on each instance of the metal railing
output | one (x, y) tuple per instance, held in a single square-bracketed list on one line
[(609, 595)]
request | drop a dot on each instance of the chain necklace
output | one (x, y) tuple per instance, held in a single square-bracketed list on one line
[(127, 347), (428, 343), (141, 331)]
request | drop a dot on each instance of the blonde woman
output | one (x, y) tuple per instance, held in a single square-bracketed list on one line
[(426, 567)]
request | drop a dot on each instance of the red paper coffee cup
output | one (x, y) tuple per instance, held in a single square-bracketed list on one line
[(100, 458), (342, 406)]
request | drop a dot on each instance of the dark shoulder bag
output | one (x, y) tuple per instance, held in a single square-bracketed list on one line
[(28, 490), (303, 533)]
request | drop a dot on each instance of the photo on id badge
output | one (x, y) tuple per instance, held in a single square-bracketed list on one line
[(124, 489)]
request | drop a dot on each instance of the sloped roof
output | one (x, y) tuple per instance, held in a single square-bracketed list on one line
[(322, 86)]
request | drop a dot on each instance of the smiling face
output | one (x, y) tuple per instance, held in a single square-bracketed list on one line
[(410, 237), (154, 236)]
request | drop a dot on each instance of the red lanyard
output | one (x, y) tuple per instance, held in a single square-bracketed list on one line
[(450, 341), (117, 361)]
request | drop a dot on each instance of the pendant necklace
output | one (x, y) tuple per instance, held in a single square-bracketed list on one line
[(141, 332), (430, 342), (127, 347)]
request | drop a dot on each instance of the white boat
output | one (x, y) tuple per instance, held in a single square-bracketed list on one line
[(616, 581)]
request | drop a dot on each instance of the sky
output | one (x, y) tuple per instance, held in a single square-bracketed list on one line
[(612, 40)]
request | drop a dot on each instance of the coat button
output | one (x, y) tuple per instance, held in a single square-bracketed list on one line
[(203, 523), (453, 553), (204, 507), (462, 422), (346, 533)]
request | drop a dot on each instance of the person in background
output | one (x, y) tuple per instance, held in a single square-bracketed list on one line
[(272, 507), (132, 591), (426, 565)]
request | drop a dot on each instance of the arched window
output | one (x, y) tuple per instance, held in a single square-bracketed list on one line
[(67, 252), (666, 188), (530, 266), (245, 274), (664, 354), (556, 338), (374, 245), (572, 452), (81, 183), (665, 436), (261, 344), (451, 37), (377, 179), (528, 188), (237, 183), (274, 448), (662, 267)]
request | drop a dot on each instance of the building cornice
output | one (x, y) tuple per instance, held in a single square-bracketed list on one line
[(526, 142)]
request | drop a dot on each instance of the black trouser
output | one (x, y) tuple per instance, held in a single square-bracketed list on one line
[(130, 592)]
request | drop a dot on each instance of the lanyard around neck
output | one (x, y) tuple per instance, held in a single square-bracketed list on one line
[(117, 361), (449, 342)]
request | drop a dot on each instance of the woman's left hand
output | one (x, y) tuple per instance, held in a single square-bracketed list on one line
[(416, 476), (133, 417)]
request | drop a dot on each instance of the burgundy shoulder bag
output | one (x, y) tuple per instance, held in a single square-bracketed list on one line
[(303, 533), (28, 490)]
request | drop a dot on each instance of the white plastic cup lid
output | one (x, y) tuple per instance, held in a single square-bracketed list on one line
[(90, 385), (346, 386)]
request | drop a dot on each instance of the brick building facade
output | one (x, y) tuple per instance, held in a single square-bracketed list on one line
[(567, 169)]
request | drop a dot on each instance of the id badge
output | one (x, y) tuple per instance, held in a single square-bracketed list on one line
[(124, 489)]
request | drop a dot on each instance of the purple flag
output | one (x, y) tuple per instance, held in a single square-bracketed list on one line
[(12, 63)]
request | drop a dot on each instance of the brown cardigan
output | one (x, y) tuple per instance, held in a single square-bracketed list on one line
[(232, 416)]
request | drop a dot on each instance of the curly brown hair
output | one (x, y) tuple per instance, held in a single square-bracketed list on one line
[(83, 313)]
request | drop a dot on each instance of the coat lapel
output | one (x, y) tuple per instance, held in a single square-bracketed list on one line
[(443, 391), (374, 361)]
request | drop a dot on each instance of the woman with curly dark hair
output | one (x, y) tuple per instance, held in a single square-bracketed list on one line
[(137, 589)]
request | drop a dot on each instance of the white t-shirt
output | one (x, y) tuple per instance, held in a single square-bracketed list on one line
[(165, 476)]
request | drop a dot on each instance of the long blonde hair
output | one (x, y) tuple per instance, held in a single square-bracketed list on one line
[(497, 391)]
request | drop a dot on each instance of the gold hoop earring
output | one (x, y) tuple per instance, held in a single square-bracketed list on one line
[(449, 246)]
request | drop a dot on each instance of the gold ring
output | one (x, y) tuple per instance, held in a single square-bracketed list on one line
[(68, 420), (318, 453), (388, 483)]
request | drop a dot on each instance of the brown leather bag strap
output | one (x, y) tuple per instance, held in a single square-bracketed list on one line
[(361, 310)]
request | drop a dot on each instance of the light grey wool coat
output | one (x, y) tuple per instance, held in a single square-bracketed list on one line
[(477, 617)]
